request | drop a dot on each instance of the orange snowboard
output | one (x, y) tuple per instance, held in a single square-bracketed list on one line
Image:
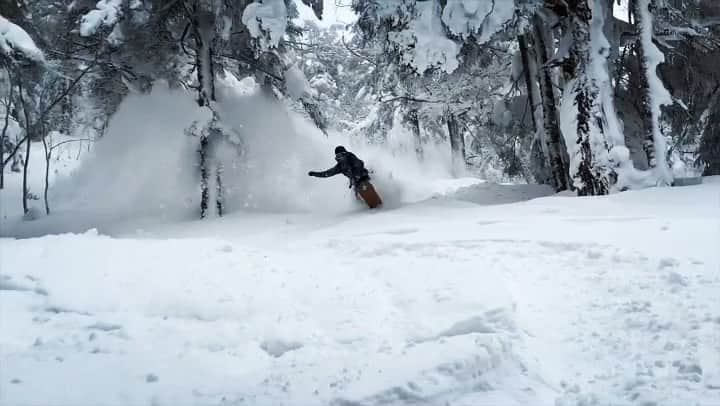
[(369, 195)]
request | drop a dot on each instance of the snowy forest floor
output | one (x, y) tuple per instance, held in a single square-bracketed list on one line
[(454, 300)]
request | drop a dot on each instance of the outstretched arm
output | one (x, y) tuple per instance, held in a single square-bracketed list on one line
[(326, 174)]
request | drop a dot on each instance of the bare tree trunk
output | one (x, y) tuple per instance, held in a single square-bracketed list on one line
[(203, 24), (2, 139), (204, 176), (220, 192), (457, 143), (28, 140), (8, 104), (26, 209), (412, 120), (556, 149), (527, 74), (48, 154)]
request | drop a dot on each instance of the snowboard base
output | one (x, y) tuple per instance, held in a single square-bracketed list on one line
[(369, 195)]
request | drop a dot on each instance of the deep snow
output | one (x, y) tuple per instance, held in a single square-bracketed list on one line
[(458, 291), (557, 300)]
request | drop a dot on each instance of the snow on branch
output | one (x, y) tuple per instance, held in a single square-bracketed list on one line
[(297, 84), (106, 13), (472, 17), (14, 40), (266, 22), (424, 44)]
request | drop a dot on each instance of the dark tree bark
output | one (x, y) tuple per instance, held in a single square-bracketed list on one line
[(457, 142), (538, 164), (203, 30), (527, 74), (48, 154), (412, 120), (316, 115), (709, 152), (3, 135), (203, 26), (204, 176), (28, 141), (556, 149), (220, 191)]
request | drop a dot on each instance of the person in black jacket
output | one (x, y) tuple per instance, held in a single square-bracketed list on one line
[(349, 165)]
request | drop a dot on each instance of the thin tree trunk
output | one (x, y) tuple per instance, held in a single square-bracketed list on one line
[(48, 154), (26, 209), (412, 120), (556, 149), (8, 103), (220, 192), (529, 83), (457, 143), (2, 140), (204, 176), (28, 138), (66, 110)]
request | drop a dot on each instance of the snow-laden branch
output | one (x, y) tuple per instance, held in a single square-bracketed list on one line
[(410, 99), (356, 53), (106, 13), (266, 22), (479, 18), (14, 40)]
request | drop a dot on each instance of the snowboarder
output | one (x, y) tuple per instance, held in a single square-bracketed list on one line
[(354, 169)]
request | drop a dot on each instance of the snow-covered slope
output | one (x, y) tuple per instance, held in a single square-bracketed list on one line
[(557, 300)]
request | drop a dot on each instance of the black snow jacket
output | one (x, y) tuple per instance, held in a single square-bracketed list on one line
[(349, 165)]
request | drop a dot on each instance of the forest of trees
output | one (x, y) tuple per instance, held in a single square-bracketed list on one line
[(573, 94)]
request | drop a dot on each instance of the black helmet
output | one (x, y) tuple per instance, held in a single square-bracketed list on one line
[(339, 149)]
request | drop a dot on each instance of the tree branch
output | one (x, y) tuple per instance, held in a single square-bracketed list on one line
[(411, 99), (359, 55), (52, 147), (252, 63), (54, 103)]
